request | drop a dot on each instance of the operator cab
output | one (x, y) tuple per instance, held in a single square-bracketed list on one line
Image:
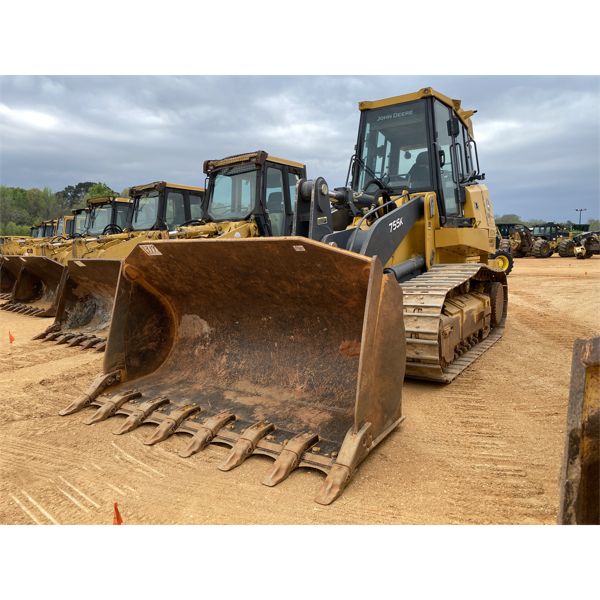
[(37, 231), (254, 185), (78, 222), (49, 228), (107, 214), (549, 231), (418, 142), (164, 206)]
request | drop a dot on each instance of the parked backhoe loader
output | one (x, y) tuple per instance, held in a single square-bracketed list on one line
[(87, 288), (41, 267), (296, 347), (580, 473)]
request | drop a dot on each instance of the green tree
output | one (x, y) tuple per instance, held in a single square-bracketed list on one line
[(99, 189), (594, 224), (73, 196), (509, 219)]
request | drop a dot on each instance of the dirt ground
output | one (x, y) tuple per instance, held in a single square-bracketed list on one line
[(485, 449)]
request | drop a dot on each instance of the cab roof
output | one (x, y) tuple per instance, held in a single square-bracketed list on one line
[(427, 92), (162, 184), (258, 157), (107, 199)]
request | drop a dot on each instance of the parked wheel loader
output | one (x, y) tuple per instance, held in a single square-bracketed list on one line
[(296, 347), (84, 308), (10, 262), (580, 473), (35, 290), (85, 296)]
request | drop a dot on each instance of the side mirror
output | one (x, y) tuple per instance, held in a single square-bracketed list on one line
[(442, 156), (407, 155)]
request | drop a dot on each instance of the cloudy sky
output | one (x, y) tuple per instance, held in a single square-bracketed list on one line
[(538, 137)]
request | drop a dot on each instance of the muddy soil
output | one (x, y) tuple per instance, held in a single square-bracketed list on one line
[(485, 449)]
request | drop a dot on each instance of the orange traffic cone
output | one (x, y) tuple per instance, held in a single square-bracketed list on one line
[(11, 337), (117, 519)]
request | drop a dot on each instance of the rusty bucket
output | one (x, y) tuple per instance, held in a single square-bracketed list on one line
[(84, 308), (284, 347), (37, 287)]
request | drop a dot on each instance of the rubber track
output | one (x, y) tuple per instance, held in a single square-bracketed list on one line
[(424, 298)]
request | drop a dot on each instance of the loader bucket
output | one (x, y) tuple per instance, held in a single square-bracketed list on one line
[(10, 267), (37, 287), (580, 477), (84, 308), (284, 347)]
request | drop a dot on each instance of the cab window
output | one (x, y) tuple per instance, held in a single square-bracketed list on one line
[(195, 205), (275, 206), (449, 187), (175, 210)]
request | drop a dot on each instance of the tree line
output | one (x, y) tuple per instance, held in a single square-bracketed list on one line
[(21, 208)]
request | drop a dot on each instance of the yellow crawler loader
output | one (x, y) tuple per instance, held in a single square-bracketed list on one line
[(296, 347), (42, 266), (85, 296)]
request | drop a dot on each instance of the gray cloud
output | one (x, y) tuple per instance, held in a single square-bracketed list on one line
[(538, 137)]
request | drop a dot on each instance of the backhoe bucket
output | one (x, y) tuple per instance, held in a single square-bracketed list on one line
[(85, 305), (284, 347), (10, 267), (580, 477)]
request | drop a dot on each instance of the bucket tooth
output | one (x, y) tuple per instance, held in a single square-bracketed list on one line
[(96, 388), (52, 336), (355, 447), (334, 484), (77, 340), (140, 414), (171, 423), (290, 456), (207, 431), (29, 310), (101, 347), (90, 343), (246, 444), (64, 338), (111, 405), (46, 332)]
